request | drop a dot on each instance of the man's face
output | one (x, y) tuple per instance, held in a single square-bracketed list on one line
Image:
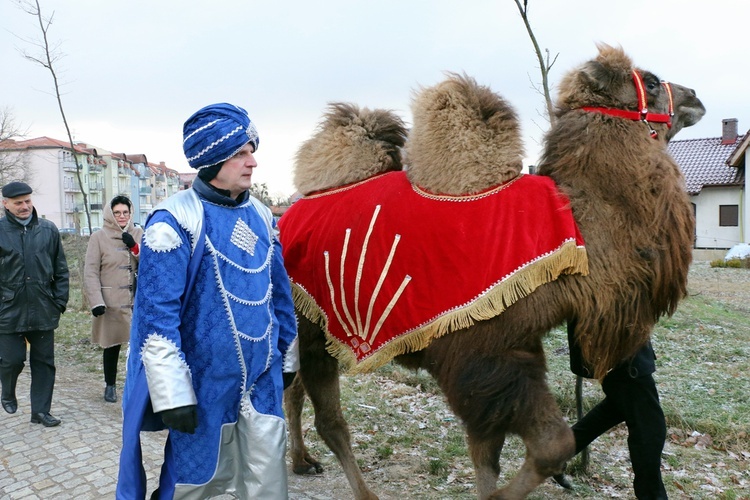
[(21, 206), (236, 174)]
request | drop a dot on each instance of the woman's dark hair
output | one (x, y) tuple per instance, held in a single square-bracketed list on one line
[(121, 200)]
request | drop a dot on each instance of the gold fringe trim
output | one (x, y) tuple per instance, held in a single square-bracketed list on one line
[(567, 259)]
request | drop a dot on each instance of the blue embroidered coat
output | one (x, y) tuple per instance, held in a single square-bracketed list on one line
[(214, 330)]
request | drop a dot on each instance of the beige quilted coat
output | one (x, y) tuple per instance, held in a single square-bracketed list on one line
[(107, 278)]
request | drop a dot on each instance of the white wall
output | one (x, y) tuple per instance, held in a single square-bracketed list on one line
[(708, 232), (745, 214), (46, 183)]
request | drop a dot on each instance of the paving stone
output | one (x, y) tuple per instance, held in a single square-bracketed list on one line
[(78, 459)]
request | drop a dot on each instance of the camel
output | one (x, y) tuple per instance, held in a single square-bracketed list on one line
[(607, 156)]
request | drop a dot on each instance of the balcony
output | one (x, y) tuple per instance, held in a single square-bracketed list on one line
[(95, 168), (124, 171), (96, 207), (69, 166), (72, 188), (146, 207)]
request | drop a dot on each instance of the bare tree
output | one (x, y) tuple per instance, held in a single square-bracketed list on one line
[(545, 65), (13, 163), (260, 191), (47, 57)]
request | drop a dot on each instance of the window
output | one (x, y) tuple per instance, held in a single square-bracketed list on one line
[(729, 215)]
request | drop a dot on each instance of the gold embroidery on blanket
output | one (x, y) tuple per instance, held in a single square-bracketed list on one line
[(351, 326), (361, 265)]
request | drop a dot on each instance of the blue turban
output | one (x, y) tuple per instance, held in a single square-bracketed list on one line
[(216, 133)]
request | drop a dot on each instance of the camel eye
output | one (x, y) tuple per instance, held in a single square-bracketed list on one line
[(652, 83)]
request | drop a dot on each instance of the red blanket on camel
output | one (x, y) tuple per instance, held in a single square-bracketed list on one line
[(385, 267)]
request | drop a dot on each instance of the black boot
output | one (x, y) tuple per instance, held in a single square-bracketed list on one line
[(563, 481), (9, 401), (110, 396), (10, 405)]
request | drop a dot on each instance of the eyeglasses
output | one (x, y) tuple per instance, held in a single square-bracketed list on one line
[(121, 214)]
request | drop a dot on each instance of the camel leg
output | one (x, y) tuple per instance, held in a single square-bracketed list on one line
[(294, 400), (320, 376), (549, 444), (501, 392), (485, 454)]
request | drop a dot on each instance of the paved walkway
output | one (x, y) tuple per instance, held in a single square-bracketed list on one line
[(79, 458)]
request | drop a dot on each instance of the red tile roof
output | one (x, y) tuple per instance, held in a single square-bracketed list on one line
[(704, 162), (41, 143)]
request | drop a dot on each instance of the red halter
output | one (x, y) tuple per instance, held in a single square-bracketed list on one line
[(642, 115)]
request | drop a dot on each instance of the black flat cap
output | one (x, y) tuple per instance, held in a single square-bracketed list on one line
[(13, 189)]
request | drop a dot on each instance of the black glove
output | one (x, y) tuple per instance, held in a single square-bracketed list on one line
[(288, 378), (128, 239), (98, 311), (183, 419)]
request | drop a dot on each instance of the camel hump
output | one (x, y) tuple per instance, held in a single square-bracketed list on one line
[(465, 138), (350, 144)]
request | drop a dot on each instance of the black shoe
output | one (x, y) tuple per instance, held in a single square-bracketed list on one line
[(45, 419), (110, 396), (10, 405), (563, 481)]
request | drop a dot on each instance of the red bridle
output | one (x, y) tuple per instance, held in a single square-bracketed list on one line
[(642, 115)]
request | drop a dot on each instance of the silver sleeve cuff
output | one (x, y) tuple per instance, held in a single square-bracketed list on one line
[(291, 358), (168, 376)]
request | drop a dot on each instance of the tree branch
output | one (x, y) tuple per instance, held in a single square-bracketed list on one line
[(544, 66), (46, 59)]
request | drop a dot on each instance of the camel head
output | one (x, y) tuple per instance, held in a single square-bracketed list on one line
[(607, 82), (349, 145), (464, 139)]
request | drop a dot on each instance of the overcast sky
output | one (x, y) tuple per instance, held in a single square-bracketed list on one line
[(134, 70)]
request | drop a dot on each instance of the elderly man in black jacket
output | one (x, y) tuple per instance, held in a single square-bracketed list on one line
[(33, 294)]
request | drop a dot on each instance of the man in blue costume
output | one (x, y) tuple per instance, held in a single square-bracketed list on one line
[(213, 327)]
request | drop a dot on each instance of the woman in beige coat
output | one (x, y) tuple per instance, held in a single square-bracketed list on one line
[(109, 284)]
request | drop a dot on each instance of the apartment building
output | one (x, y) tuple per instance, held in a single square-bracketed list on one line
[(66, 181)]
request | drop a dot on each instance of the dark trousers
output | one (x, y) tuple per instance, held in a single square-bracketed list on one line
[(634, 401), (110, 356), (41, 362)]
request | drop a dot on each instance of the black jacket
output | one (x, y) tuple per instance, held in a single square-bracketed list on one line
[(33, 275), (642, 363)]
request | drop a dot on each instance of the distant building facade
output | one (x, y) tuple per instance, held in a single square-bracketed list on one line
[(60, 182), (716, 179)]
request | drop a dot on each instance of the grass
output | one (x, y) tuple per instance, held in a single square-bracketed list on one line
[(736, 263), (703, 361)]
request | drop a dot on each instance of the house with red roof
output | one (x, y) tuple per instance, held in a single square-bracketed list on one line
[(718, 185)]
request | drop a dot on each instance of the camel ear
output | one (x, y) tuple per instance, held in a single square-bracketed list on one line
[(595, 76), (599, 76)]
